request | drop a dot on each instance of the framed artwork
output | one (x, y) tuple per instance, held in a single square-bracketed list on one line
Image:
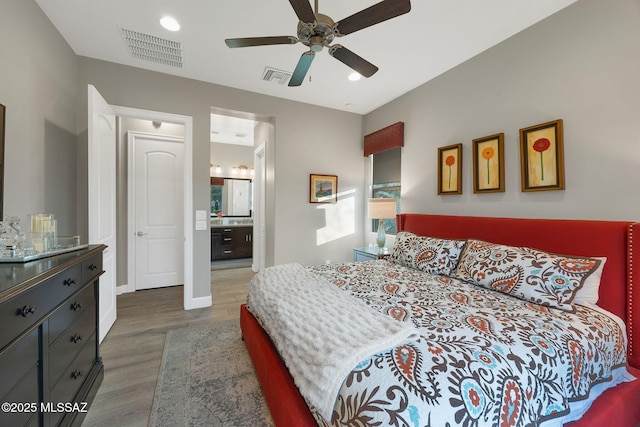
[(488, 164), (450, 169), (542, 157), (323, 189)]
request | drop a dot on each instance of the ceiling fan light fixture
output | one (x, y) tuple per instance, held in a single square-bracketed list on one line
[(170, 23), (316, 30), (316, 44)]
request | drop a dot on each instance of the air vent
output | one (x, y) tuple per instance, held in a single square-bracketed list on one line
[(153, 49), (274, 75)]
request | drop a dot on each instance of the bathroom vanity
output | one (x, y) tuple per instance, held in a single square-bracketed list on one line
[(231, 241)]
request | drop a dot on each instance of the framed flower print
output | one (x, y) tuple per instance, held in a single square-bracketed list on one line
[(542, 157), (488, 164), (450, 169)]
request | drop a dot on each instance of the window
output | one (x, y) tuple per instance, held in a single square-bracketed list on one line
[(386, 182)]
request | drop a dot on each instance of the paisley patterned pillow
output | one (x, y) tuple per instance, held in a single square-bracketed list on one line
[(429, 254), (526, 273)]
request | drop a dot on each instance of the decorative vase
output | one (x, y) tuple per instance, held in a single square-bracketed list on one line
[(381, 238)]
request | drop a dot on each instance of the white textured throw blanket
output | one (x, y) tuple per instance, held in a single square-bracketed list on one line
[(297, 308)]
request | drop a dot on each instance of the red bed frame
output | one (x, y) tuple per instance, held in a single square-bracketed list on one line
[(615, 240)]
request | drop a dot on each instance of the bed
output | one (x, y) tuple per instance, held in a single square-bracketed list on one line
[(613, 240)]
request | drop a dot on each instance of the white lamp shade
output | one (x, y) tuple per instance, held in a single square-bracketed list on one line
[(382, 208)]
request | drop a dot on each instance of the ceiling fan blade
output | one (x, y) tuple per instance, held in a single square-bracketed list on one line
[(303, 10), (301, 69), (352, 60), (375, 14), (260, 41)]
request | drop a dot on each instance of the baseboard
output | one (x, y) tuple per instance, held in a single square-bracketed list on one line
[(201, 302), (124, 289)]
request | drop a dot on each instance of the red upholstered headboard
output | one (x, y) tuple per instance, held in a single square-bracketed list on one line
[(612, 239)]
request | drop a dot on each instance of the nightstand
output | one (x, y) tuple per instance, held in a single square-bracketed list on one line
[(368, 254)]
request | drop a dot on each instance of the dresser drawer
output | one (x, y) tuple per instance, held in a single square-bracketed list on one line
[(24, 310), (70, 343), (73, 377), (69, 312), (91, 268), (16, 361), (25, 392)]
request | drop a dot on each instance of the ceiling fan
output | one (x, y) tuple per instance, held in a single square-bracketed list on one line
[(316, 31)]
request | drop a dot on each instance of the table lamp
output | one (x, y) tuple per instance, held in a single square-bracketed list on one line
[(381, 209)]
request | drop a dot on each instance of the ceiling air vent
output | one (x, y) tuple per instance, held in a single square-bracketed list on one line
[(152, 48), (274, 75)]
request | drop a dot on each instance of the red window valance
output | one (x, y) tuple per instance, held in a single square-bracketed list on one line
[(384, 139)]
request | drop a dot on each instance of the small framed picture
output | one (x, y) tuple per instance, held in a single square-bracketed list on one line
[(450, 169), (542, 157), (488, 164), (323, 189)]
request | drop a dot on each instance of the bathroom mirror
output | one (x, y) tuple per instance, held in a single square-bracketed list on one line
[(231, 197)]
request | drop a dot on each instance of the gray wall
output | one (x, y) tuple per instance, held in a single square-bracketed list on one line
[(38, 80), (308, 139), (581, 65), (45, 91)]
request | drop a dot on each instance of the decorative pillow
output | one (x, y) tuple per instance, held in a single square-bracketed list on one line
[(529, 274), (429, 254), (588, 293)]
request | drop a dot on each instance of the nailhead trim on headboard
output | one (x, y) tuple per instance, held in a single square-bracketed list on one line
[(630, 291)]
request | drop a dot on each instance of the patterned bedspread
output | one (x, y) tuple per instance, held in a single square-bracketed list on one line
[(484, 358)]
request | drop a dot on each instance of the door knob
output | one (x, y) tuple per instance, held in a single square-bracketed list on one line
[(140, 233)]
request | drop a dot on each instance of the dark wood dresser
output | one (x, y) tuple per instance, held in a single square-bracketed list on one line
[(50, 365)]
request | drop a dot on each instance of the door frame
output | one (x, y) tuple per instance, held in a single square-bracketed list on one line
[(131, 208), (189, 301), (259, 199)]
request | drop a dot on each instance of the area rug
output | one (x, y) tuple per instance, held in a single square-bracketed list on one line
[(207, 379)]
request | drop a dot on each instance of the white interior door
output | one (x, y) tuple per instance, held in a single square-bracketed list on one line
[(157, 193), (259, 203), (102, 200)]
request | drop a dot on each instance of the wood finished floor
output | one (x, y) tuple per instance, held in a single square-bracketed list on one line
[(132, 351)]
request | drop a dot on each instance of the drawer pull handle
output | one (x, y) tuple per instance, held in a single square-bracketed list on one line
[(227, 252), (69, 282), (27, 310), (76, 338), (76, 306), (93, 267), (76, 374), (227, 239)]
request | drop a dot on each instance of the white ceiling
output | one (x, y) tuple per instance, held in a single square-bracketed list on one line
[(232, 130), (435, 36)]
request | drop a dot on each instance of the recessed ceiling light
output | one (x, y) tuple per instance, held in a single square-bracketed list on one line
[(355, 76), (169, 23)]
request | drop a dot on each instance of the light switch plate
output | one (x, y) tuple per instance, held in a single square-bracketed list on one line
[(201, 215), (201, 225)]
